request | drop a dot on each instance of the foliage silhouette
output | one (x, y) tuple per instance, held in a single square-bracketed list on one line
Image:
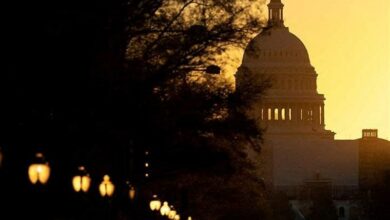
[(108, 73)]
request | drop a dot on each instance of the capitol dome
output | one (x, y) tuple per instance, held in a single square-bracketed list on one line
[(276, 46), (292, 104)]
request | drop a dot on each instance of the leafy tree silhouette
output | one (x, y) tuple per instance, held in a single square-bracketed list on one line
[(112, 72)]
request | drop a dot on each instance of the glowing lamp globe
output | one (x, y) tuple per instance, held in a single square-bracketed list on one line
[(172, 214), (132, 192), (82, 181), (39, 170), (106, 188), (165, 209), (155, 204)]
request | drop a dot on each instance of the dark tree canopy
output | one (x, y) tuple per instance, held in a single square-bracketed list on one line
[(100, 82)]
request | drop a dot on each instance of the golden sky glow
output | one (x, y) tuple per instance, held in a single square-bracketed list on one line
[(349, 45)]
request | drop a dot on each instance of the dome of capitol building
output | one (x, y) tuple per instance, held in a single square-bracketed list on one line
[(292, 104)]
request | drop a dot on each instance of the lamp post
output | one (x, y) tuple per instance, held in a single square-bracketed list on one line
[(38, 174), (132, 192), (130, 207), (155, 206), (39, 170), (81, 183), (106, 189)]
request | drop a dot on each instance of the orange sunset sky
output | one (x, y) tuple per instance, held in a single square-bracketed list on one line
[(349, 45)]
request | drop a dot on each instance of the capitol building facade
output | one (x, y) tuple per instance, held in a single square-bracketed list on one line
[(298, 150)]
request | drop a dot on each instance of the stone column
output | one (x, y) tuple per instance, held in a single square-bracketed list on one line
[(307, 114), (298, 108), (288, 106), (302, 113), (316, 116), (303, 107), (262, 113), (266, 107), (309, 118), (313, 114), (294, 113), (323, 115)]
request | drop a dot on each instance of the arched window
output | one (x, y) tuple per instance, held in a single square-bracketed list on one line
[(283, 114), (276, 114), (341, 212), (269, 114)]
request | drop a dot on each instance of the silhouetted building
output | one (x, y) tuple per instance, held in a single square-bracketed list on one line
[(297, 146), (374, 159)]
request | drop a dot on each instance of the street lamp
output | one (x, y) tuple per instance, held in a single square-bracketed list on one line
[(106, 188), (39, 170), (165, 209), (177, 217), (172, 213), (82, 181), (155, 204), (131, 192)]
